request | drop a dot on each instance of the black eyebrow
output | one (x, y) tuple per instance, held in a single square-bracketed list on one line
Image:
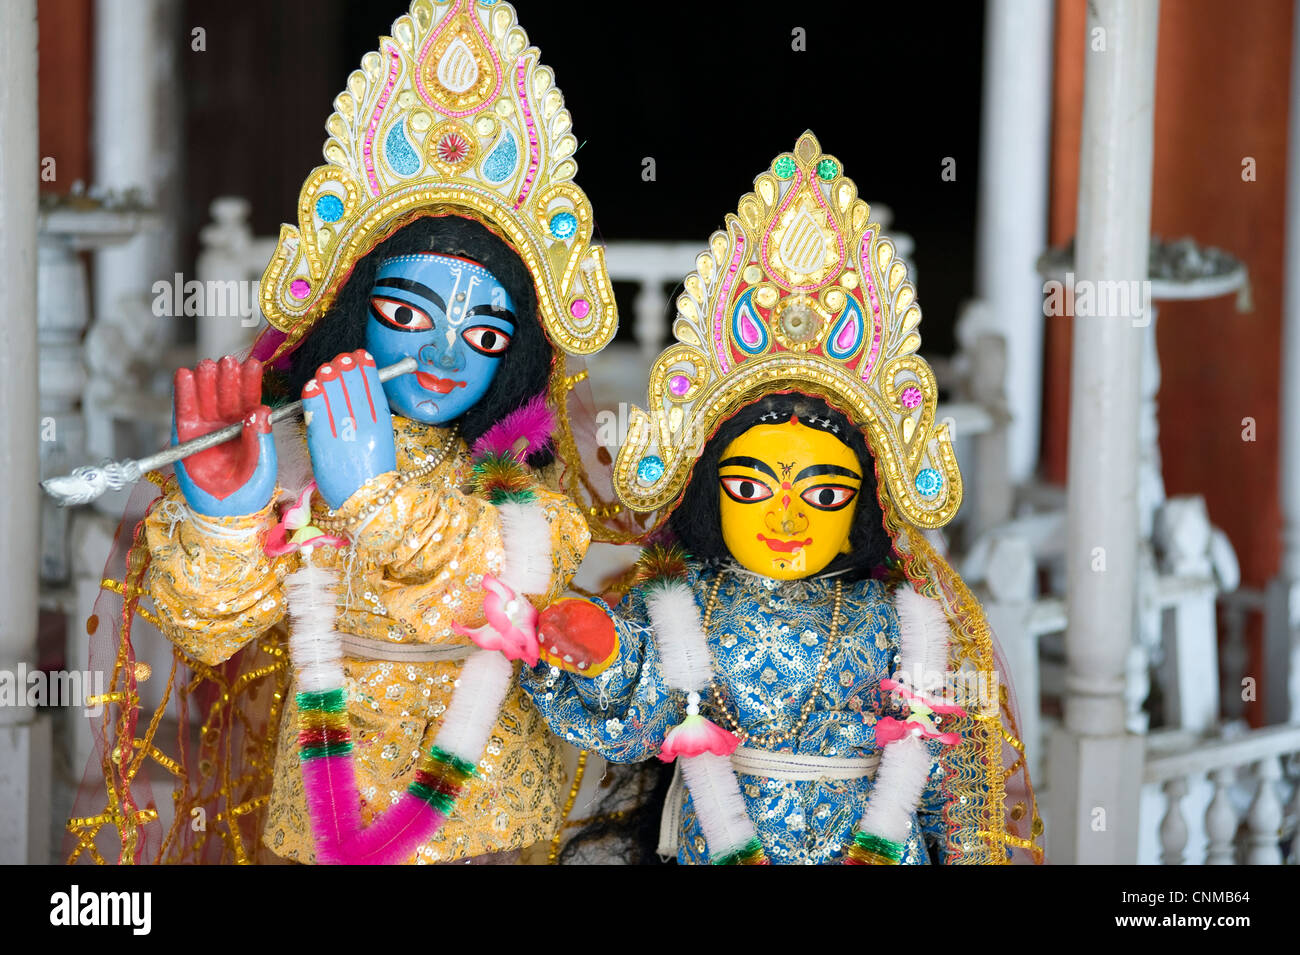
[(502, 313), (745, 462), (409, 285), (818, 469)]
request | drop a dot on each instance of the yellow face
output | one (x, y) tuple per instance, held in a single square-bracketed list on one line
[(788, 494)]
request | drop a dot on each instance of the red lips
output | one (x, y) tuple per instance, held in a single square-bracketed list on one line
[(440, 386), (785, 547)]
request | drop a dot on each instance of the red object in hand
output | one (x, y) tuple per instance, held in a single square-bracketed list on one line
[(578, 636), (209, 398)]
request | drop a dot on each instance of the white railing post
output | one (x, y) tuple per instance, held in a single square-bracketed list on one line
[(1095, 764), (1294, 813), (1173, 828), (1264, 819), (1221, 821)]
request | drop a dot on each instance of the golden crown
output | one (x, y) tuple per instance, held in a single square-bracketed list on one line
[(454, 113), (799, 292)]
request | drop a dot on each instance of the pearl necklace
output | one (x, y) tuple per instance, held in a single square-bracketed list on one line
[(328, 523), (772, 740)]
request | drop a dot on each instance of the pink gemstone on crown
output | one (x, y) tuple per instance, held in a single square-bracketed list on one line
[(299, 288), (911, 397), (579, 308)]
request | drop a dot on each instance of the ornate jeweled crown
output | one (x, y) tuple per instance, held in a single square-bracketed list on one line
[(453, 113), (800, 292)]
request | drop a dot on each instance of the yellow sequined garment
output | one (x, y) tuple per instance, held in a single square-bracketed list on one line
[(413, 569)]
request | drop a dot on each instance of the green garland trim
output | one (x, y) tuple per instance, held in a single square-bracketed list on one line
[(462, 766), (327, 701), (502, 479), (660, 567), (751, 853), (878, 846), (342, 748)]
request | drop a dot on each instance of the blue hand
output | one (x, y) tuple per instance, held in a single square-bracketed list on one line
[(349, 426), (238, 476)]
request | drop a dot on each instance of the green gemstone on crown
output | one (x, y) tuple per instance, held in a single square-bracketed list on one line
[(828, 169), (783, 167)]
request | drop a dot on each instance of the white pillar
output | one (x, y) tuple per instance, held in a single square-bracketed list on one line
[(1282, 638), (138, 142), (24, 739), (1012, 221), (1096, 764)]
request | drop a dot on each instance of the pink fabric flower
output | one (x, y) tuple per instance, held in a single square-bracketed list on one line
[(908, 694), (890, 729), (511, 623), (297, 518), (695, 735)]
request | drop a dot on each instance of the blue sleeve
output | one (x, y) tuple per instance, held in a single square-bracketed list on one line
[(623, 713)]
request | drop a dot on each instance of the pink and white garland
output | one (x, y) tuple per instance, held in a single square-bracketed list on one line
[(705, 748), (905, 762), (316, 649)]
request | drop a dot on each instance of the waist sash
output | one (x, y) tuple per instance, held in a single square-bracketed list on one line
[(363, 648), (760, 762)]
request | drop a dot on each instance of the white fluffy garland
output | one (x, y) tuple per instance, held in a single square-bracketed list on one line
[(905, 763), (715, 790), (526, 539), (688, 666), (316, 649)]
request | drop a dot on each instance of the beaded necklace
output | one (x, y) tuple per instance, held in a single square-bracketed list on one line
[(774, 739), (329, 523)]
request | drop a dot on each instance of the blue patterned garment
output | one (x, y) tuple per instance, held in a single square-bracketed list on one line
[(767, 637)]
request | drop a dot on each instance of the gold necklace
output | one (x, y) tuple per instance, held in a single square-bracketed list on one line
[(331, 524), (772, 740)]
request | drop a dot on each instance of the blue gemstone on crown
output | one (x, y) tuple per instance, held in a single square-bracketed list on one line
[(401, 156), (928, 482), (500, 163), (650, 469), (563, 224), (329, 207)]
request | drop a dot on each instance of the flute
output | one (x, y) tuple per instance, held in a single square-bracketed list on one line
[(86, 483)]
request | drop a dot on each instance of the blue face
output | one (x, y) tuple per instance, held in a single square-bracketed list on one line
[(450, 314)]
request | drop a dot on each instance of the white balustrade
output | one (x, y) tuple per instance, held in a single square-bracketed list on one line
[(1223, 794)]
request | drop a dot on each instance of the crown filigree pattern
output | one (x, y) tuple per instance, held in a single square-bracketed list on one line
[(454, 113), (799, 292)]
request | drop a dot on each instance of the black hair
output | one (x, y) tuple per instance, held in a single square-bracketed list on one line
[(629, 834), (526, 366), (697, 520)]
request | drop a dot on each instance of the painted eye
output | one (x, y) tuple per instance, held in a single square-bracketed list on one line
[(829, 497), (486, 339), (400, 315), (745, 490)]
